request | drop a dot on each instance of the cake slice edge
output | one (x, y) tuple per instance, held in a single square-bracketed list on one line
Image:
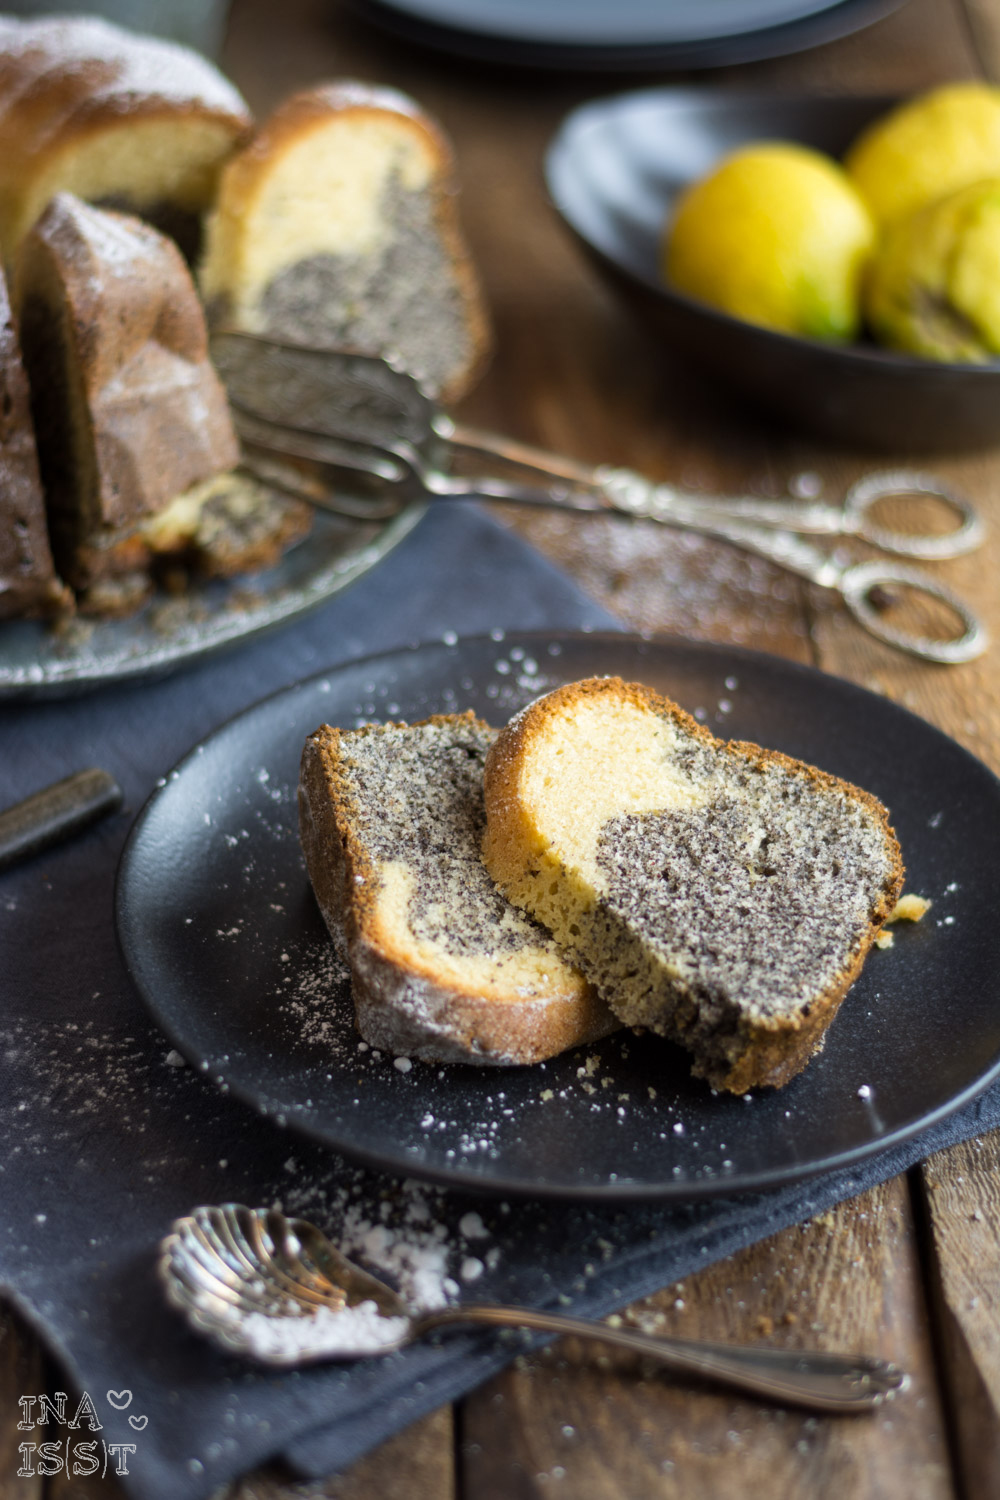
[(409, 999), (735, 1048)]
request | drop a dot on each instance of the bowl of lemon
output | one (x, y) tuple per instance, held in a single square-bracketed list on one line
[(835, 260)]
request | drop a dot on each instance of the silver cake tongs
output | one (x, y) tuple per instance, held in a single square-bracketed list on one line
[(356, 435)]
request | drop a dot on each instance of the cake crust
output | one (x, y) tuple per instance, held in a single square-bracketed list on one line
[(118, 118), (735, 1044)]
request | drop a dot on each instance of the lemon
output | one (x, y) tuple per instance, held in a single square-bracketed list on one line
[(775, 235), (933, 287), (927, 148)]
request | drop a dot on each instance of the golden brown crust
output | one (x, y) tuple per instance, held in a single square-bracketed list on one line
[(311, 107), (68, 81), (403, 1003), (510, 840), (292, 121), (761, 1050)]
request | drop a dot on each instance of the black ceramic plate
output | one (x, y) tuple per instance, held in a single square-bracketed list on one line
[(635, 34), (223, 939), (613, 172), (37, 662)]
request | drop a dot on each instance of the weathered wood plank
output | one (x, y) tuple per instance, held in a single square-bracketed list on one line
[(923, 43), (847, 1280), (983, 21), (417, 1463), (963, 1198), (21, 1374)]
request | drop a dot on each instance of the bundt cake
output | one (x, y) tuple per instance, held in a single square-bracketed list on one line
[(337, 227), (443, 968), (130, 416), (119, 119), (28, 583), (720, 894)]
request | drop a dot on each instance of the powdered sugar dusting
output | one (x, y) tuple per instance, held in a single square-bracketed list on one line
[(126, 64), (326, 1332)]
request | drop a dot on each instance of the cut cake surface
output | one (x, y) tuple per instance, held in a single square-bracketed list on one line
[(337, 228), (720, 894), (443, 967)]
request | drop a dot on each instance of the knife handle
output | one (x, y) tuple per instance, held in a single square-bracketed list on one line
[(56, 812)]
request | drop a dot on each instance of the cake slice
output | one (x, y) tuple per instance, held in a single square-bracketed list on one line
[(443, 968), (720, 894), (119, 119), (131, 417), (28, 582), (336, 228)]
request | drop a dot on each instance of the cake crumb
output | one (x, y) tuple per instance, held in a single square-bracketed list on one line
[(909, 908)]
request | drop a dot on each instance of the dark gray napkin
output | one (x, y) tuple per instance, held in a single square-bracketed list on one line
[(106, 1141)]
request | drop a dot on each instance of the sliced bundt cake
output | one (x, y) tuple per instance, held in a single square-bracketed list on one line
[(128, 410), (135, 439), (337, 227), (123, 120), (443, 967), (718, 893)]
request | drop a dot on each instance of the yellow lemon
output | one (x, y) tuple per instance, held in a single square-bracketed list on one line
[(775, 235), (927, 148), (933, 288)]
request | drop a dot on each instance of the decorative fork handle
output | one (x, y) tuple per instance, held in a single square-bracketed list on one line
[(823, 1382)]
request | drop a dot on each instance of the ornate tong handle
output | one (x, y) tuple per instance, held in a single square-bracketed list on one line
[(314, 466), (641, 497), (632, 494)]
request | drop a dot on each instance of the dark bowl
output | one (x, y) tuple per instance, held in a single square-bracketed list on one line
[(613, 172)]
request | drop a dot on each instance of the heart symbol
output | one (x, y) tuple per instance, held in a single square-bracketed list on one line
[(120, 1399), (138, 1422)]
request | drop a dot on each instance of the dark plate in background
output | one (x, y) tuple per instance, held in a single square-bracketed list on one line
[(224, 941), (631, 36), (613, 171)]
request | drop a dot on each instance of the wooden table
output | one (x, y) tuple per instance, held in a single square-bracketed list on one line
[(911, 1270)]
